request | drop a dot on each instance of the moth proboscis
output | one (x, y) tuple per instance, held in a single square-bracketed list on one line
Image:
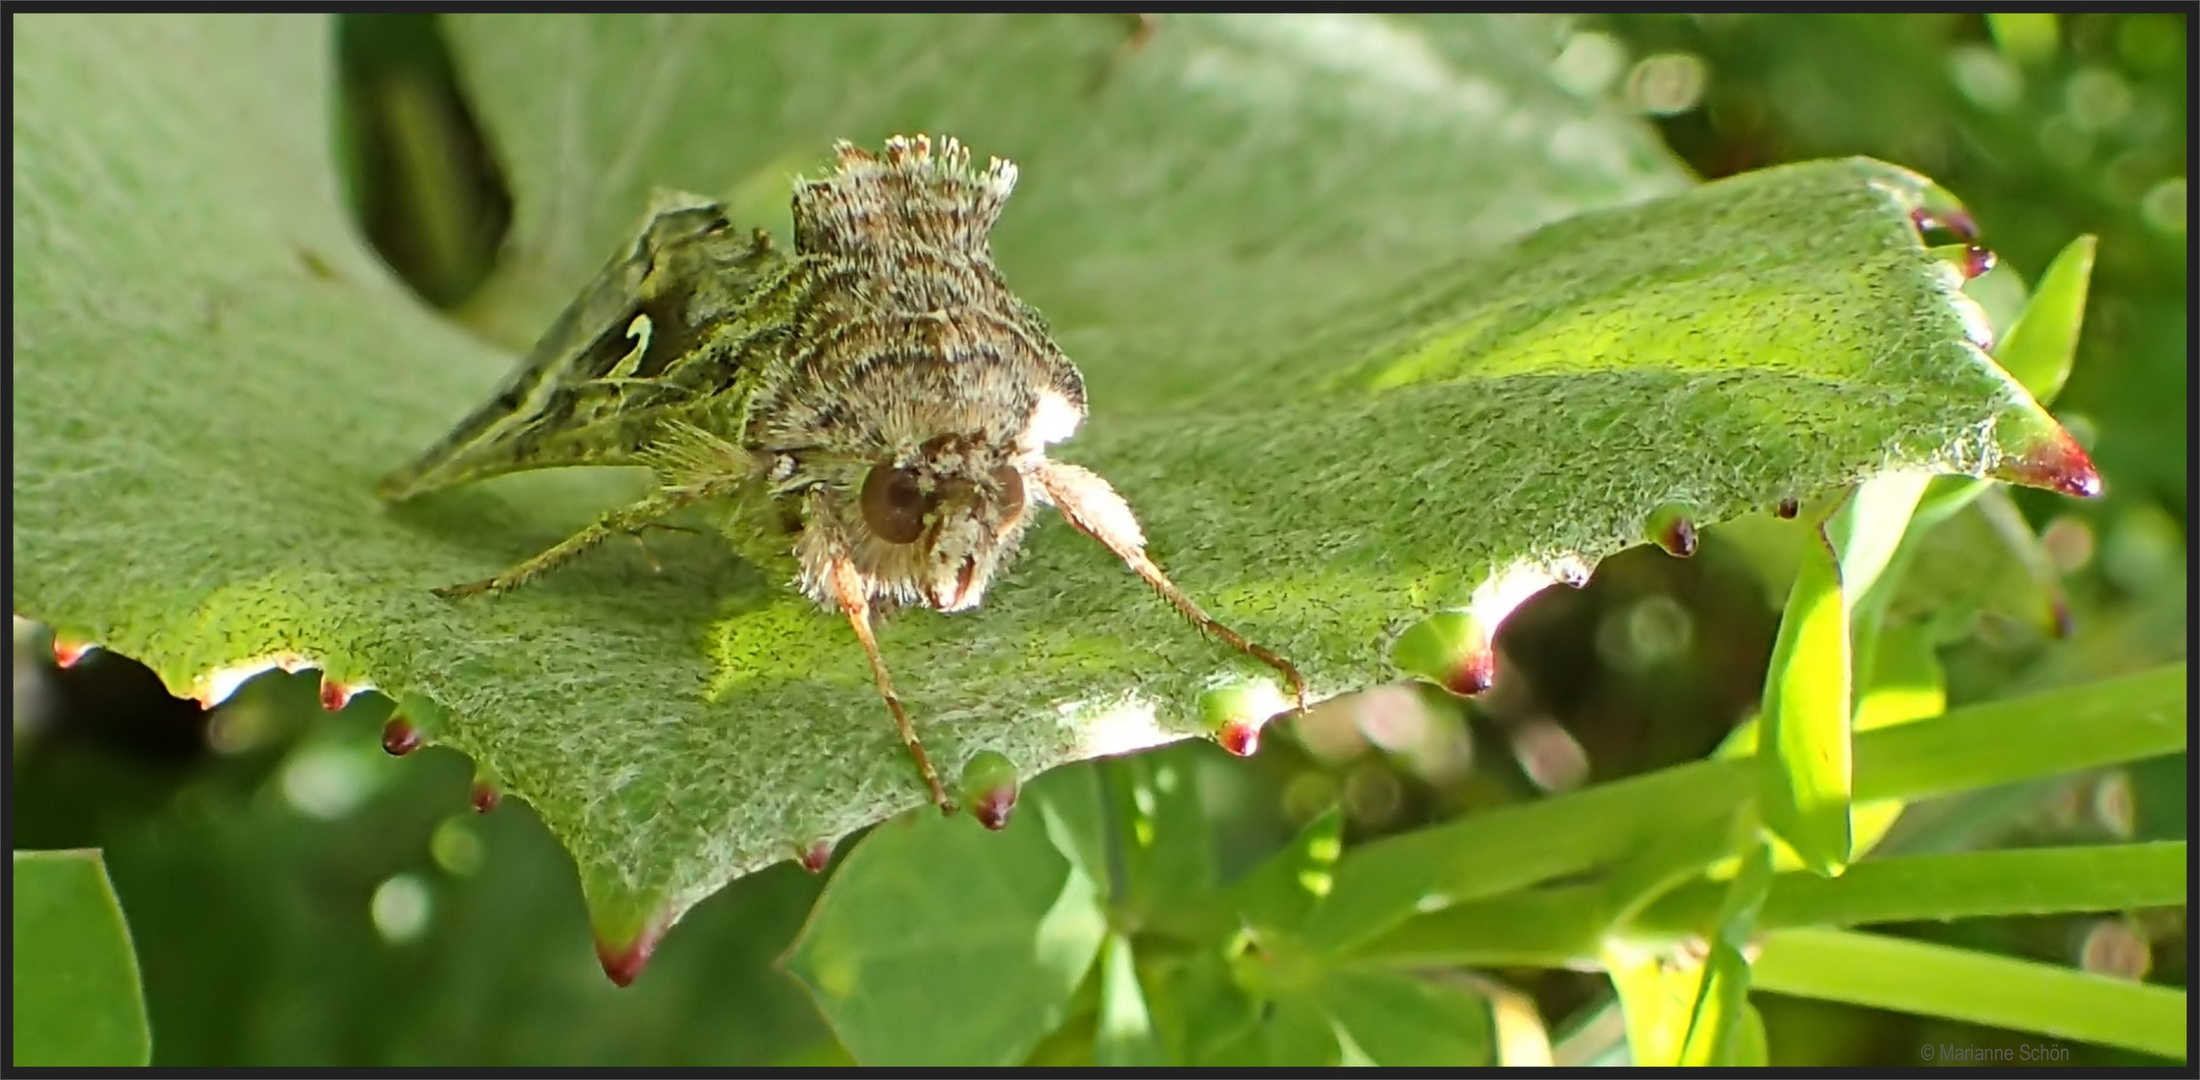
[(875, 406)]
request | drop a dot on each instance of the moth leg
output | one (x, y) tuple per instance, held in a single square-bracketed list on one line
[(1096, 510), (647, 555), (855, 601), (630, 519)]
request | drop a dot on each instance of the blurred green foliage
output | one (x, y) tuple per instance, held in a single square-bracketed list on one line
[(2050, 126), (76, 999), (297, 898)]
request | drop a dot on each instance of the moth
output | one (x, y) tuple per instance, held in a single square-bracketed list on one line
[(871, 410)]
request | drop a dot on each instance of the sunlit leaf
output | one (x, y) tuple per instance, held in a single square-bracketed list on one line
[(1339, 400)]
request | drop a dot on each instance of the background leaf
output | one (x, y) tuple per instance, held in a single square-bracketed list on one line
[(1846, 966), (1459, 893), (1167, 854), (1803, 761), (2039, 350), (941, 943), (2109, 877), (1126, 1035), (1397, 1019), (1274, 900), (77, 1000)]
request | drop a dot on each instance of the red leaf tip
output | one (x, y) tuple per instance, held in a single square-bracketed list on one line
[(1476, 672), (399, 737), (335, 695), (2056, 463), (67, 651), (1240, 737), (992, 809), (624, 963)]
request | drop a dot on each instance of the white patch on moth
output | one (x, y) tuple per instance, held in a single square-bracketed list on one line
[(1052, 420), (1000, 177), (216, 686), (638, 332)]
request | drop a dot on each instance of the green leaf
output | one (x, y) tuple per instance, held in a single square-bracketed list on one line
[(1747, 1050), (1450, 649), (1656, 992), (1167, 849), (1839, 965), (1875, 533), (1554, 927), (1682, 851), (1803, 756), (1718, 1025), (1906, 682), (1392, 1018), (1276, 897), (1126, 1035), (1869, 527), (1244, 230), (1074, 1039), (1914, 888), (1440, 895), (2102, 722), (1380, 884), (1201, 1014), (2037, 351), (2040, 348), (940, 943), (1872, 531), (1686, 1008), (1294, 1032), (78, 1001)]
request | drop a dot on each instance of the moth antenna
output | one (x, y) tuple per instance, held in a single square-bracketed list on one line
[(1094, 508), (855, 601)]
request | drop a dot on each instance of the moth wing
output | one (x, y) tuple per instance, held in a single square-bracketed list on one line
[(587, 393)]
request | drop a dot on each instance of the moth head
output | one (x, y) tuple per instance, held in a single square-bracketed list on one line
[(939, 522)]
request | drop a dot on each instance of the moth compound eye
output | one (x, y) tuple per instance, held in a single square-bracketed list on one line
[(894, 504), (1011, 484)]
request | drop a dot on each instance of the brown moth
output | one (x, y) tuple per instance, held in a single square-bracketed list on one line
[(874, 407)]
